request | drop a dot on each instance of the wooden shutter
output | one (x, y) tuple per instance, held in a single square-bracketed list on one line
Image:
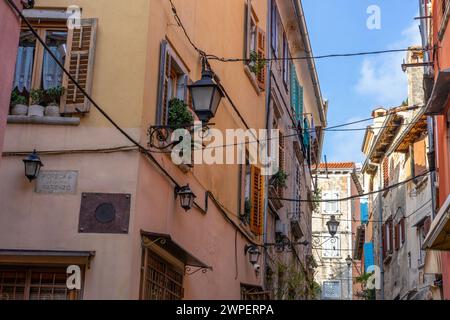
[(391, 235), (257, 194), (248, 22), (163, 83), (80, 64), (385, 173), (420, 161), (300, 100), (261, 51)]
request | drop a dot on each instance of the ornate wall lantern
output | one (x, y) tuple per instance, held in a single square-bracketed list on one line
[(186, 197), (33, 165)]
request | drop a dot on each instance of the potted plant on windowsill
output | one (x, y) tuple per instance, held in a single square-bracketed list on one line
[(54, 95), (36, 109), (180, 117), (18, 104), (256, 64), (279, 179)]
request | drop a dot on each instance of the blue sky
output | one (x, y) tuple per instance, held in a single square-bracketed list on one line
[(355, 86)]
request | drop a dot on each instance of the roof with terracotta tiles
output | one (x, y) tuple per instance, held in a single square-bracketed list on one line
[(337, 165)]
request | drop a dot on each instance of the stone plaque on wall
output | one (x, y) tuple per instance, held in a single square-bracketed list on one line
[(57, 182)]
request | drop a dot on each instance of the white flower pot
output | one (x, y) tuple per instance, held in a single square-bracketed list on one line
[(52, 111), (36, 111), (19, 110)]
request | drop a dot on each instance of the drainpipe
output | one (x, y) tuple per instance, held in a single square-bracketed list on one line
[(380, 234)]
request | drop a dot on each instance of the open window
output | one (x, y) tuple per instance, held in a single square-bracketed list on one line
[(37, 70), (255, 48), (173, 82)]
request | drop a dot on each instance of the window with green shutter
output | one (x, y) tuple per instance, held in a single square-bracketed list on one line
[(296, 94)]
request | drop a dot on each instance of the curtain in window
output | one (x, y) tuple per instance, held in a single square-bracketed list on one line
[(51, 72), (24, 68)]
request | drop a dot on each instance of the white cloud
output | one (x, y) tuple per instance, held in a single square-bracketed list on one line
[(382, 78)]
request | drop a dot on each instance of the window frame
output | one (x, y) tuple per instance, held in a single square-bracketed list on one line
[(28, 270), (148, 253), (326, 196), (339, 282), (41, 27), (176, 62)]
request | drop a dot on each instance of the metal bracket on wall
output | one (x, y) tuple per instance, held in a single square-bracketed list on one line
[(188, 270)]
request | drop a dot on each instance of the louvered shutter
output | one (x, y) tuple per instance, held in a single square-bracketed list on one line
[(257, 194), (294, 89), (306, 136), (261, 51), (80, 64), (247, 36), (300, 100), (386, 172), (391, 235), (163, 83)]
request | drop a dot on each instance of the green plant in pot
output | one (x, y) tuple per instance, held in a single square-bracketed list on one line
[(256, 64), (54, 96), (18, 103), (179, 114), (279, 180), (37, 98)]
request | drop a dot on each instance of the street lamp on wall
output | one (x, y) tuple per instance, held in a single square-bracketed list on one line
[(186, 197), (33, 165), (332, 225), (349, 261), (206, 95), (253, 253)]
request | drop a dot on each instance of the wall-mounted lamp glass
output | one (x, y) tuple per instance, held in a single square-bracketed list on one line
[(33, 165), (186, 197)]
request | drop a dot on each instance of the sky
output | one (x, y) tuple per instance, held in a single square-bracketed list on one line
[(355, 86)]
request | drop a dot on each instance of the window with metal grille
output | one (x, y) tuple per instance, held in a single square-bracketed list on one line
[(35, 283), (161, 280), (250, 293)]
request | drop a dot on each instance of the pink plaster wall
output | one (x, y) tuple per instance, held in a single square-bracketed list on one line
[(9, 37)]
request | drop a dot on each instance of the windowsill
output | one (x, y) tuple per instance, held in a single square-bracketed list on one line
[(252, 79), (64, 121)]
